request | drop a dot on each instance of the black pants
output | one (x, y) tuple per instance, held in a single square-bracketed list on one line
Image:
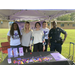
[(46, 40), (24, 49), (56, 46), (38, 47)]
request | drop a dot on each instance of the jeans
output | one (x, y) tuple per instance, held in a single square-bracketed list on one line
[(16, 47), (56, 46)]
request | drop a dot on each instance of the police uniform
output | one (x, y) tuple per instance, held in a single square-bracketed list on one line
[(55, 39)]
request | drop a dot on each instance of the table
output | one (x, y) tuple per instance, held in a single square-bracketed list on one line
[(43, 58)]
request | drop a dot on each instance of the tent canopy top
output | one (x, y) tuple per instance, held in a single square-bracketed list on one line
[(32, 14)]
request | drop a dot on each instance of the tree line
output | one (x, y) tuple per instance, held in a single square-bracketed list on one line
[(67, 17)]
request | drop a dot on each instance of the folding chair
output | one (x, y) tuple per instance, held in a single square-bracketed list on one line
[(5, 46)]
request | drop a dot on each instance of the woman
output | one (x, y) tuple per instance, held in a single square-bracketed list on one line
[(14, 36), (26, 35), (38, 37)]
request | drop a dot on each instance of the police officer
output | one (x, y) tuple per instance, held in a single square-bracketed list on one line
[(55, 41)]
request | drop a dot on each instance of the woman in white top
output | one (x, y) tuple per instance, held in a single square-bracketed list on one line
[(14, 36), (38, 38), (26, 35)]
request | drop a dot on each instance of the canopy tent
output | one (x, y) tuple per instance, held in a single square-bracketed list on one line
[(32, 14), (37, 14)]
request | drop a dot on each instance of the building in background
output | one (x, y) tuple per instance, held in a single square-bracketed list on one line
[(4, 24), (62, 24), (65, 24)]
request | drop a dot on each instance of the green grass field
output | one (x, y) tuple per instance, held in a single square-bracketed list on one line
[(65, 46)]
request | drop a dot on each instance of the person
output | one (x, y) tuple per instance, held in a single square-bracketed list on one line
[(26, 35), (55, 41), (46, 32), (37, 39), (14, 36)]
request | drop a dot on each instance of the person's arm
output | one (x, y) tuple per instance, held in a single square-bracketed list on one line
[(21, 35), (65, 35), (49, 39), (49, 42), (43, 40), (31, 41), (21, 38), (8, 38)]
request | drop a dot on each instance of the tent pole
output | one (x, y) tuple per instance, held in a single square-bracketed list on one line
[(8, 25), (49, 22)]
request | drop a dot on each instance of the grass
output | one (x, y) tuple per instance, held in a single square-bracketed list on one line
[(65, 46), (3, 35), (3, 38)]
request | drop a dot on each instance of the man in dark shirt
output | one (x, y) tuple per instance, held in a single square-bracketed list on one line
[(55, 41)]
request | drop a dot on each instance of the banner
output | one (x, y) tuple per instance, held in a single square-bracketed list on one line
[(21, 24), (32, 24)]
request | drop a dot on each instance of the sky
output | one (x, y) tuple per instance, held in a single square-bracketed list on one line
[(37, 9)]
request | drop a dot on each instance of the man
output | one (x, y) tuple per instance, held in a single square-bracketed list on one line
[(55, 41), (46, 32)]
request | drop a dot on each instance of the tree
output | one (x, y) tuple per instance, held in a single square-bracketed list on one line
[(66, 17), (73, 16)]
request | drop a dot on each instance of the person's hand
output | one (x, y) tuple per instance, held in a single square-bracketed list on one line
[(43, 48), (30, 48), (63, 41)]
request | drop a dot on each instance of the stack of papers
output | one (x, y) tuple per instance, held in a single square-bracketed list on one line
[(58, 56)]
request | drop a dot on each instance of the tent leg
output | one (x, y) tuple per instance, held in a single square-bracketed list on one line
[(49, 22)]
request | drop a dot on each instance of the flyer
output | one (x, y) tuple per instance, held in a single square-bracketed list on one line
[(15, 52), (9, 61), (21, 53), (10, 52)]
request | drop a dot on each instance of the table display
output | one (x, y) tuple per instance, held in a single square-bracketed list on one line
[(38, 58)]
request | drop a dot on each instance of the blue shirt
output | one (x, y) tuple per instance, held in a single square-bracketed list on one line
[(54, 34)]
